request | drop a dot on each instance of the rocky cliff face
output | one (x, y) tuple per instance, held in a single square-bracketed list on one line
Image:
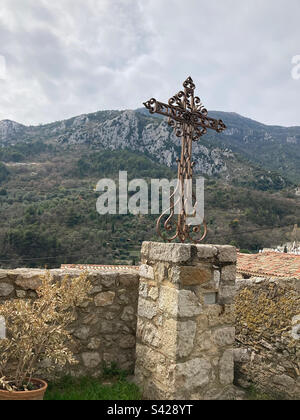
[(9, 131), (130, 130), (273, 148)]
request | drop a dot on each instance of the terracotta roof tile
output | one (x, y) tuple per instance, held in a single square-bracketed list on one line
[(100, 267), (272, 264)]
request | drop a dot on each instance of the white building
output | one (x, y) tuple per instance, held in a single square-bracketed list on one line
[(292, 247)]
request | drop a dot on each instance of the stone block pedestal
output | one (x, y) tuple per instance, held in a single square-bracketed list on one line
[(185, 327)]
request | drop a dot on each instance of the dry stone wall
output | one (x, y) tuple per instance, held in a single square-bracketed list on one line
[(105, 328), (185, 329), (180, 337), (267, 350)]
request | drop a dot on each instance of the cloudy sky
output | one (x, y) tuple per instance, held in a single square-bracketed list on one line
[(60, 58)]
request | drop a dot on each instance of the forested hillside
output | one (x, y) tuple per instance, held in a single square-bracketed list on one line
[(48, 207)]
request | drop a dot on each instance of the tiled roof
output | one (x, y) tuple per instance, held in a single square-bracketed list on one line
[(271, 264), (100, 267), (265, 264)]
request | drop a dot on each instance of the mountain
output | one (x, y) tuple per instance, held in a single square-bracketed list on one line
[(48, 175), (247, 151), (273, 147), (10, 131)]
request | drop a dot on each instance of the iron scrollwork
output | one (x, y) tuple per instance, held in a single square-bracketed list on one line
[(189, 119)]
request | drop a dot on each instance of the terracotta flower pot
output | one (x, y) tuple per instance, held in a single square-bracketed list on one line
[(36, 395)]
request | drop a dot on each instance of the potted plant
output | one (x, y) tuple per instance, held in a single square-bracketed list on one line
[(37, 335)]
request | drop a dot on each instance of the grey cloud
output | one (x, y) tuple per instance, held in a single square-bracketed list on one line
[(67, 57)]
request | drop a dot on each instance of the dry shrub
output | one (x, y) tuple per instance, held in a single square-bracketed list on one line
[(37, 330)]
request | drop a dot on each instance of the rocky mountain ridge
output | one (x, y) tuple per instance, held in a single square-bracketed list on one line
[(9, 131), (245, 143)]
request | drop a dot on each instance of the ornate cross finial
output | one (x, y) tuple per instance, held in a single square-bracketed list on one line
[(187, 115)]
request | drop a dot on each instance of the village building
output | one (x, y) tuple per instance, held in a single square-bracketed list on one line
[(291, 247), (269, 264)]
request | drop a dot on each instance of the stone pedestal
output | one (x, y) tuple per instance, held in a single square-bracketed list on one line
[(185, 328)]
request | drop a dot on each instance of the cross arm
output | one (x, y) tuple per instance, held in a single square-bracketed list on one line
[(156, 107), (198, 120), (202, 120)]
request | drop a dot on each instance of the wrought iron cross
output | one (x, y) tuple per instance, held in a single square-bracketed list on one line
[(190, 121)]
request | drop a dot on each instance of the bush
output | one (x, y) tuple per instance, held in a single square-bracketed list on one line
[(37, 330), (3, 172)]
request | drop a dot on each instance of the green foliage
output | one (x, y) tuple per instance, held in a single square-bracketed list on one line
[(112, 370), (108, 162), (245, 251), (20, 151), (73, 218), (88, 389), (234, 224), (32, 244), (48, 211), (263, 181), (255, 394), (3, 173)]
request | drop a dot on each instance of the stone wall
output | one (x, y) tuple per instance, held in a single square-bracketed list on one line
[(105, 328), (185, 330), (268, 335)]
